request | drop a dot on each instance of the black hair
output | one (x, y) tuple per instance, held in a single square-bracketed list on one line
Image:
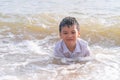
[(68, 21)]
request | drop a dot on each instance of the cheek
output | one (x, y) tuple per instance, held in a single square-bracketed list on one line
[(62, 36)]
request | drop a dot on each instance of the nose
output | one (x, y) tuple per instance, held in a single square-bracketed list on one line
[(69, 35)]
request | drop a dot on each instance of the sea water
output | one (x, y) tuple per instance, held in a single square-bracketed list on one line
[(29, 31)]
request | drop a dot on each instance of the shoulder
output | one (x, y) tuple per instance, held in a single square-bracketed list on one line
[(58, 44), (82, 42), (84, 46), (58, 49)]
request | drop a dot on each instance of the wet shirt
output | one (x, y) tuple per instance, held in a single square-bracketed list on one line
[(81, 49)]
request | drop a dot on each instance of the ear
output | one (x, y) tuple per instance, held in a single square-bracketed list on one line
[(79, 34)]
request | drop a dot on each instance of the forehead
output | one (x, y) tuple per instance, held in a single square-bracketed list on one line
[(66, 28)]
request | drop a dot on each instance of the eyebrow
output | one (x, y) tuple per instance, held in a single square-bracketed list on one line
[(64, 31), (73, 30)]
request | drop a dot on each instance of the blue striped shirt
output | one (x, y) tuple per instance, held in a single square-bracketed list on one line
[(81, 50)]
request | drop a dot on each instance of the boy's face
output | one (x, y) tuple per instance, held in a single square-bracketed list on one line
[(69, 35)]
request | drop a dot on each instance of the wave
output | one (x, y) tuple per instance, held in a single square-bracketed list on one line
[(96, 30), (100, 34)]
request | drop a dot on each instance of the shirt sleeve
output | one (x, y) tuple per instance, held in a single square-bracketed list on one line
[(57, 51), (87, 51)]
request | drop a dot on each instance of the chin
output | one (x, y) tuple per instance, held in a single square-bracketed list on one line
[(70, 43)]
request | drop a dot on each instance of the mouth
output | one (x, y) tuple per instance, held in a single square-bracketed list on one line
[(69, 39)]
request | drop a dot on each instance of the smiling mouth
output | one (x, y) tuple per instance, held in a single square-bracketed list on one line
[(69, 39)]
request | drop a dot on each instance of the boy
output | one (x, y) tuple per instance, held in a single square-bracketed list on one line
[(70, 45)]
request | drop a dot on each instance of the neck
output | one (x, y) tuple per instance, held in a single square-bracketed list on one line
[(71, 48)]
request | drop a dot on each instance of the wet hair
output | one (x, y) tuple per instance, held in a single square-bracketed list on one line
[(68, 21)]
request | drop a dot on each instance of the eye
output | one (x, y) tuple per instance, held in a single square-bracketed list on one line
[(65, 33), (73, 32)]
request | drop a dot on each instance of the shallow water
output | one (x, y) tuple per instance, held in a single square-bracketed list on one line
[(29, 31)]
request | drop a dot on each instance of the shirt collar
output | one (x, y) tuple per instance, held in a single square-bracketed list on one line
[(78, 47), (65, 49)]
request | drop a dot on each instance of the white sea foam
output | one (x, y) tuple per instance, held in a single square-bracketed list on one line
[(29, 31)]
